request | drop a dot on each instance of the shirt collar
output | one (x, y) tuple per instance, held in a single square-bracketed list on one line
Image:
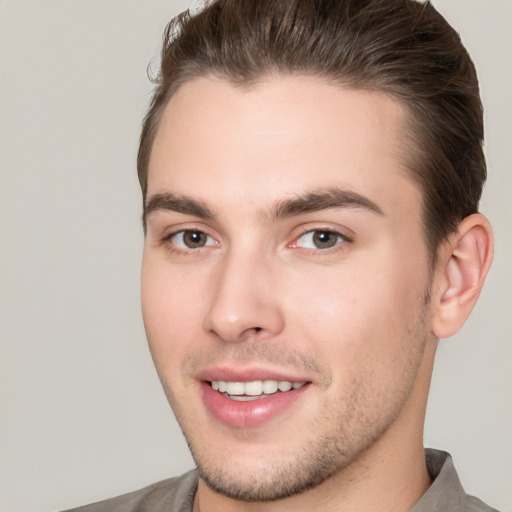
[(446, 492)]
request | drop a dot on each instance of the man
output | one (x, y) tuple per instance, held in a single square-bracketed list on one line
[(311, 172)]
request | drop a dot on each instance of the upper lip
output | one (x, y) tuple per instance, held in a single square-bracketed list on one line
[(231, 374)]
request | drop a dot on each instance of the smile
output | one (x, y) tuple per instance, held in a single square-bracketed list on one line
[(250, 403), (254, 390)]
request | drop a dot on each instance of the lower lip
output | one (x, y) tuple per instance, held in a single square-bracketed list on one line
[(251, 413)]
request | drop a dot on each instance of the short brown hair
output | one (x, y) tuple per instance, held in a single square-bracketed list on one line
[(401, 47)]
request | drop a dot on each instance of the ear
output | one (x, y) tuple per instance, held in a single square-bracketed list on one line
[(463, 263)]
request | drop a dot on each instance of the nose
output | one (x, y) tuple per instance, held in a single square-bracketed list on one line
[(244, 303)]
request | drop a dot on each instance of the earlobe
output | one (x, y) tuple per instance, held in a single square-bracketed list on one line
[(463, 265)]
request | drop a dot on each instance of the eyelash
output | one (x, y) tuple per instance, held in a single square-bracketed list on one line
[(172, 248), (343, 239)]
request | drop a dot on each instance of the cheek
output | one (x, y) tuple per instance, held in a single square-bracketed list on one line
[(356, 314), (367, 328), (171, 308)]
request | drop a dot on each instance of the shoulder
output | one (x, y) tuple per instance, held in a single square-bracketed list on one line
[(472, 504), (174, 494)]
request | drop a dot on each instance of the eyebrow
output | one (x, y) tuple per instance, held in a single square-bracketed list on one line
[(323, 199), (313, 201), (178, 203)]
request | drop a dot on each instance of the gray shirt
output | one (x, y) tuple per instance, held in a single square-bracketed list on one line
[(177, 494)]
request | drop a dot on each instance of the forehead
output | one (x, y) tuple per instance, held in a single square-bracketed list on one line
[(278, 137)]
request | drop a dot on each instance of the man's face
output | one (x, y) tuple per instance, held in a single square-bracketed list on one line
[(284, 250)]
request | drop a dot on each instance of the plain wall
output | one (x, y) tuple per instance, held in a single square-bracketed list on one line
[(82, 413)]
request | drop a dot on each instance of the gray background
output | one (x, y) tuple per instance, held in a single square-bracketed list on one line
[(82, 413)]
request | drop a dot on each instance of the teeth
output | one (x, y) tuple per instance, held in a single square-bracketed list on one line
[(235, 388), (284, 385), (254, 388), (270, 386)]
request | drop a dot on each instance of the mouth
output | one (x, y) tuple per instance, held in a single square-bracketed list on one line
[(253, 390), (247, 401)]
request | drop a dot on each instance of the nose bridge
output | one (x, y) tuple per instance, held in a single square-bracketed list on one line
[(242, 301)]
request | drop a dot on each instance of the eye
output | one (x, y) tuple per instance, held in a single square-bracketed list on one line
[(191, 239), (319, 239)]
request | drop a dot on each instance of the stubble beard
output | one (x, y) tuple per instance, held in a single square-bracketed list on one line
[(322, 457), (326, 453), (280, 479)]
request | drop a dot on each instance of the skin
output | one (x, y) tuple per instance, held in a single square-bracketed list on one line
[(356, 320)]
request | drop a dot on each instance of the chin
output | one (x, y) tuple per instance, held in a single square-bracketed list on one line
[(271, 478)]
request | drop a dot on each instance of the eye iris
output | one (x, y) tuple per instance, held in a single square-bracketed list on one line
[(194, 239), (324, 239)]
